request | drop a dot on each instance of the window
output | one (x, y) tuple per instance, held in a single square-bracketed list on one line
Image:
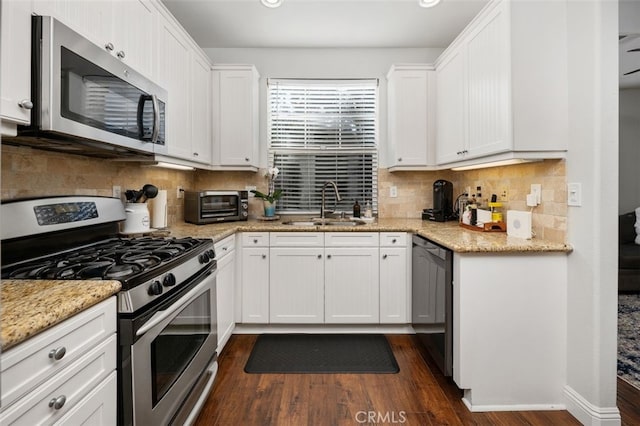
[(321, 130)]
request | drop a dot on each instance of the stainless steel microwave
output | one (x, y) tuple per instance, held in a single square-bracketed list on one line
[(201, 207), (87, 101)]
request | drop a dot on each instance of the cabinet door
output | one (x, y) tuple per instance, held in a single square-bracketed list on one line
[(173, 56), (134, 34), (489, 87), (255, 285), (235, 116), (296, 285), (351, 285), (15, 60), (225, 289), (99, 408), (394, 285), (408, 117), (451, 120), (201, 142)]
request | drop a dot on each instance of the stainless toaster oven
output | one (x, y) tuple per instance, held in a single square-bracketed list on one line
[(202, 207)]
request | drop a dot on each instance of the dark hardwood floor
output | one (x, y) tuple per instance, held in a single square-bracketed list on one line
[(417, 395)]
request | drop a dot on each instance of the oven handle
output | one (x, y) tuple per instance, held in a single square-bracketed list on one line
[(160, 316)]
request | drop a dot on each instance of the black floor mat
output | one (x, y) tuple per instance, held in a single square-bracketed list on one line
[(321, 353)]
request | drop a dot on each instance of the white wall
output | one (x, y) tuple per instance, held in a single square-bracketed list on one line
[(592, 160), (323, 63), (629, 150)]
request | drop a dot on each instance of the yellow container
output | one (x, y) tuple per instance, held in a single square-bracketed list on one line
[(496, 212)]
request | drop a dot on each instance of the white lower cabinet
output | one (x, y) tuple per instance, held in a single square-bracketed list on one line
[(325, 278), (255, 285), (296, 285), (351, 285), (225, 289), (55, 376)]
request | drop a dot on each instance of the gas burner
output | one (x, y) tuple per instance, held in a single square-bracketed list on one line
[(32, 271), (143, 259), (120, 271)]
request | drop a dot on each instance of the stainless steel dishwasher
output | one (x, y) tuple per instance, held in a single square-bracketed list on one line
[(432, 300)]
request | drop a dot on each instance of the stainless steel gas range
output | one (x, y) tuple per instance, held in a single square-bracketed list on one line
[(167, 324)]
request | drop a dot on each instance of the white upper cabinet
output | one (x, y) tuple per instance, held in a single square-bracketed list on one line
[(235, 116), (450, 105), (15, 60), (411, 116), (201, 142), (124, 28), (134, 33), (173, 70), (501, 86)]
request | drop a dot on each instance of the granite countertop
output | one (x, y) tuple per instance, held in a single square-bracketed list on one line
[(32, 306), (447, 234)]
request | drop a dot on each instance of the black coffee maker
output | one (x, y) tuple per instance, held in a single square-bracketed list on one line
[(442, 202)]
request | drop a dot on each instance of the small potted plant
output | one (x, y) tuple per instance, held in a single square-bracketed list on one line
[(269, 199)]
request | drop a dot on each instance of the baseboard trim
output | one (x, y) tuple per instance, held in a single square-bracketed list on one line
[(517, 407), (320, 328), (587, 413)]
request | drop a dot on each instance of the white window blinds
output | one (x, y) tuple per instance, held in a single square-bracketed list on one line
[(322, 130)]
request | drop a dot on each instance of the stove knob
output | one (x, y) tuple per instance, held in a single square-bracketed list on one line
[(155, 289), (211, 253), (204, 258), (169, 280)]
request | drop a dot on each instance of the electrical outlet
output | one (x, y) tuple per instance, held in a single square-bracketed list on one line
[(574, 194), (504, 194), (393, 191), (536, 189), (116, 191), (179, 192)]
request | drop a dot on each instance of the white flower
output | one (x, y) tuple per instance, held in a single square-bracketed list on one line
[(273, 172)]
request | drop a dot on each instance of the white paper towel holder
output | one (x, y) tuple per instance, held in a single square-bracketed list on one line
[(160, 210)]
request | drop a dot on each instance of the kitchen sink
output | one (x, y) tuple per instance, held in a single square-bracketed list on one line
[(324, 222)]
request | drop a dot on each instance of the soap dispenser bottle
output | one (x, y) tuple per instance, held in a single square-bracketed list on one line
[(356, 209)]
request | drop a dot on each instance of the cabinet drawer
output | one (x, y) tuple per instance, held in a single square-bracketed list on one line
[(72, 383), (255, 239), (296, 239), (393, 239), (29, 364), (225, 246), (98, 408), (351, 239)]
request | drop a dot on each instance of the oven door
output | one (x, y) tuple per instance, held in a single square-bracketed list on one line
[(175, 348)]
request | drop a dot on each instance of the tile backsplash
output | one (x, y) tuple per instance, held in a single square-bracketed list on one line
[(28, 172)]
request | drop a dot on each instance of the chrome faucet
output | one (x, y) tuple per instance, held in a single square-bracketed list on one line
[(335, 189)]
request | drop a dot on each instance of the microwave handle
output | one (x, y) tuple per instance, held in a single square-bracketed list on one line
[(156, 119)]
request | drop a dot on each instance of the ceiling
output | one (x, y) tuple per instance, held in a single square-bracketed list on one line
[(323, 23)]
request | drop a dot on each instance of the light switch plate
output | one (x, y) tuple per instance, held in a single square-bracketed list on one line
[(393, 191), (574, 194)]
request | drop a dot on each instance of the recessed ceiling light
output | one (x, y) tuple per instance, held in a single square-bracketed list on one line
[(427, 3), (274, 3)]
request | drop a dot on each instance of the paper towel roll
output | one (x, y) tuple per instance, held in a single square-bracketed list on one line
[(159, 205)]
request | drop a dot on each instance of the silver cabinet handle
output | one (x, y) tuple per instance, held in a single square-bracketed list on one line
[(328, 256), (225, 248), (120, 54), (246, 159), (109, 46), (393, 241), (58, 402), (195, 154), (26, 104), (319, 256), (264, 256), (255, 241), (400, 159), (58, 353), (384, 256)]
